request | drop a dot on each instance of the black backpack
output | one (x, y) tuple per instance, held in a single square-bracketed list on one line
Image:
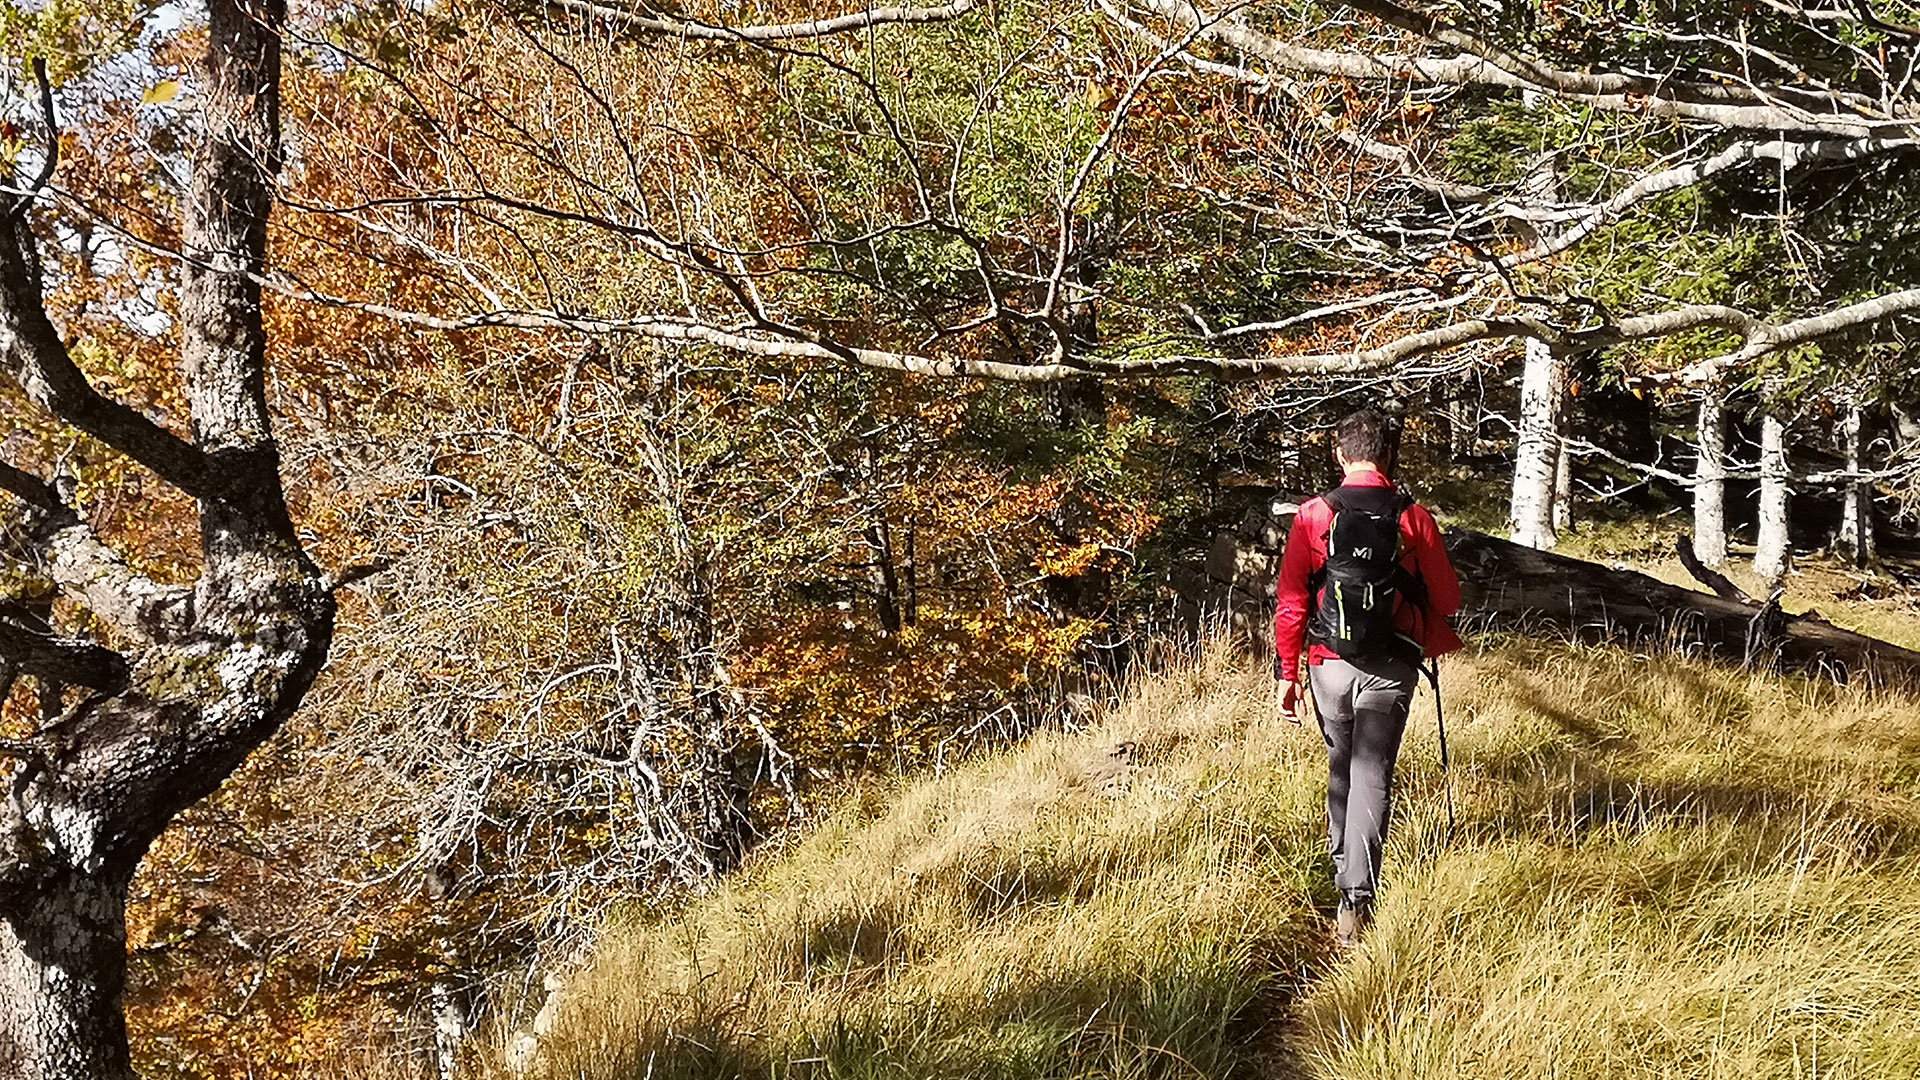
[(1353, 594)]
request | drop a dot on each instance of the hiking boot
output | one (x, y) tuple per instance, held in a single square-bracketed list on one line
[(1350, 922)]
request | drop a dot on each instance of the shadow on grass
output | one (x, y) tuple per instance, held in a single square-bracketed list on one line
[(1575, 793), (1028, 879), (855, 948), (1191, 1008)]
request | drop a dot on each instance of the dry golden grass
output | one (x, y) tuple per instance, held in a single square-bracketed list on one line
[(1664, 868), (1670, 869), (1053, 911), (1865, 604)]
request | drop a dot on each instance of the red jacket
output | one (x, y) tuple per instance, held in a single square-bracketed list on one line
[(1423, 555)]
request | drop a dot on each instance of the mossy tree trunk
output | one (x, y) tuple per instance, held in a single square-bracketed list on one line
[(219, 665)]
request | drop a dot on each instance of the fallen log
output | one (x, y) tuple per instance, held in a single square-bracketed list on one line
[(1507, 586)]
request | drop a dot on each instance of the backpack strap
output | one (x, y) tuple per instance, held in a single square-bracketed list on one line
[(1411, 584), (1318, 576)]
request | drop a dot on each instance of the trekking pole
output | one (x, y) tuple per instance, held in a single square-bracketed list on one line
[(1432, 669)]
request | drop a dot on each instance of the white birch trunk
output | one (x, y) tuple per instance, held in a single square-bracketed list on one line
[(450, 1024), (1710, 482), (1856, 515), (1530, 514), (1770, 553)]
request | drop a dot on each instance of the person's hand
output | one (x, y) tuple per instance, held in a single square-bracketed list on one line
[(1290, 700)]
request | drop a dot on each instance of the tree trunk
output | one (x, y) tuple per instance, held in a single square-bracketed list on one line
[(63, 964), (1463, 419), (446, 1000), (1770, 554), (725, 807), (1710, 482), (449, 981), (885, 581), (1530, 517), (1562, 490), (1856, 514), (219, 667), (911, 616)]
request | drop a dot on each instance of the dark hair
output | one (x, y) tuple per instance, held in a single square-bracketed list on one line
[(1364, 436)]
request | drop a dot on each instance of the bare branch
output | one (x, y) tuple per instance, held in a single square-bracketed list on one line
[(1358, 303), (91, 572), (29, 489), (1730, 107), (1864, 8), (37, 358), (1081, 175), (1400, 157), (1790, 156), (1764, 339), (100, 579), (1579, 83), (32, 352), (355, 574), (1707, 575), (813, 28), (755, 341), (52, 160), (750, 339), (63, 659)]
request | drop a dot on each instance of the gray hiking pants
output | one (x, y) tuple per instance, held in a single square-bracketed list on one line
[(1363, 714)]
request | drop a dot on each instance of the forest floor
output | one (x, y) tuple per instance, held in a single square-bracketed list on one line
[(1663, 867)]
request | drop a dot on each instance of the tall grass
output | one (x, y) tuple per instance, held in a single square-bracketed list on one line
[(1663, 868), (1053, 912), (1671, 870)]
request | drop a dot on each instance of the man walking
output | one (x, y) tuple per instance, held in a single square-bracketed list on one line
[(1366, 586)]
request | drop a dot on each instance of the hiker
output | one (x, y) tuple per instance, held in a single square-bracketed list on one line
[(1368, 614)]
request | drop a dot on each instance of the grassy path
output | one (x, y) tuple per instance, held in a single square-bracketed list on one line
[(1663, 869)]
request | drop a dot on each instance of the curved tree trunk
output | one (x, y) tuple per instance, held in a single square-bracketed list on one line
[(1770, 554), (1530, 513), (221, 665), (1710, 482)]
